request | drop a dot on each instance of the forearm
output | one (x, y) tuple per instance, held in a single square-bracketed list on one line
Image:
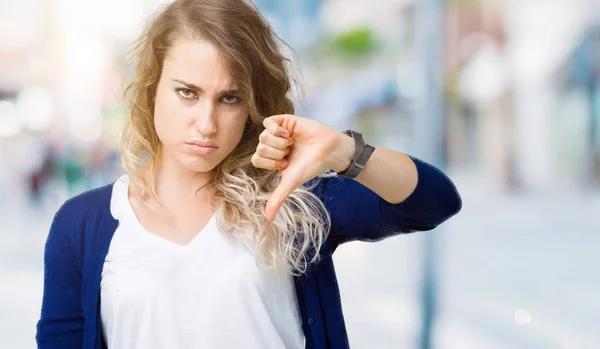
[(390, 174)]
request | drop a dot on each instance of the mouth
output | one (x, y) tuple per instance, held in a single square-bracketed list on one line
[(207, 144), (200, 148)]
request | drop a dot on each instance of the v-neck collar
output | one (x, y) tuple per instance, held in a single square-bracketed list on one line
[(124, 207)]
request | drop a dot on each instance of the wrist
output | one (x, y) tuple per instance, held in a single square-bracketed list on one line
[(343, 154)]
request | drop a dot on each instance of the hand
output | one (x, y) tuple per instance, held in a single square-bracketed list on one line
[(301, 148)]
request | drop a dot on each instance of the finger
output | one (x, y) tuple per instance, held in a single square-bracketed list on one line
[(268, 138), (287, 121), (285, 188), (272, 124), (266, 151), (268, 164)]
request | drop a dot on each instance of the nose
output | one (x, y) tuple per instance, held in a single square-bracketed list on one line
[(206, 122)]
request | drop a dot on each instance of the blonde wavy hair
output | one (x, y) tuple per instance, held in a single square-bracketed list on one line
[(293, 240)]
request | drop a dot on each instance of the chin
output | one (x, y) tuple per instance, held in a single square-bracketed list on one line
[(199, 164)]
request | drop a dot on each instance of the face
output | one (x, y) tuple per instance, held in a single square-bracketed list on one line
[(199, 114)]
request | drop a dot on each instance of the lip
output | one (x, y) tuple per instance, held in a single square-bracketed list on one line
[(210, 144), (201, 148)]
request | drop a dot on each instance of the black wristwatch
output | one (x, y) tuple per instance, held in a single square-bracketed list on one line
[(362, 153)]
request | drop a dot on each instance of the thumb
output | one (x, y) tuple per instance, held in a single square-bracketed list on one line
[(285, 188)]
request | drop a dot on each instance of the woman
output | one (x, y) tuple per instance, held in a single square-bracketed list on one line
[(220, 234)]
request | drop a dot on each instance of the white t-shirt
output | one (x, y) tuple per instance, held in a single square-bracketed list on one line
[(207, 294)]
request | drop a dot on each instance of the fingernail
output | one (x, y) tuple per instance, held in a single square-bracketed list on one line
[(284, 163), (285, 135)]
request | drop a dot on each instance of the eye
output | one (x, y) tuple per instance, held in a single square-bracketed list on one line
[(230, 99), (185, 93)]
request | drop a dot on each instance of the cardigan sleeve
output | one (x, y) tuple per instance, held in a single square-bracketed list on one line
[(61, 322), (358, 213)]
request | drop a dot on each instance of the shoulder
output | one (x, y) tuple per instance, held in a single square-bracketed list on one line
[(77, 209), (90, 200)]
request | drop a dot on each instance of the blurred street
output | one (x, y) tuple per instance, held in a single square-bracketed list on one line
[(494, 261)]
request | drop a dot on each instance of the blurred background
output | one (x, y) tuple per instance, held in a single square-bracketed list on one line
[(503, 95)]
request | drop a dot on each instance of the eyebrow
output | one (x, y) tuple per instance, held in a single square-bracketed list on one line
[(197, 88)]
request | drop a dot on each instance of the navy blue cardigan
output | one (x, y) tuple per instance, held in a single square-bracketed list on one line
[(82, 229)]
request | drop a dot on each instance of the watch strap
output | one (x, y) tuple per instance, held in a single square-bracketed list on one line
[(362, 153)]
